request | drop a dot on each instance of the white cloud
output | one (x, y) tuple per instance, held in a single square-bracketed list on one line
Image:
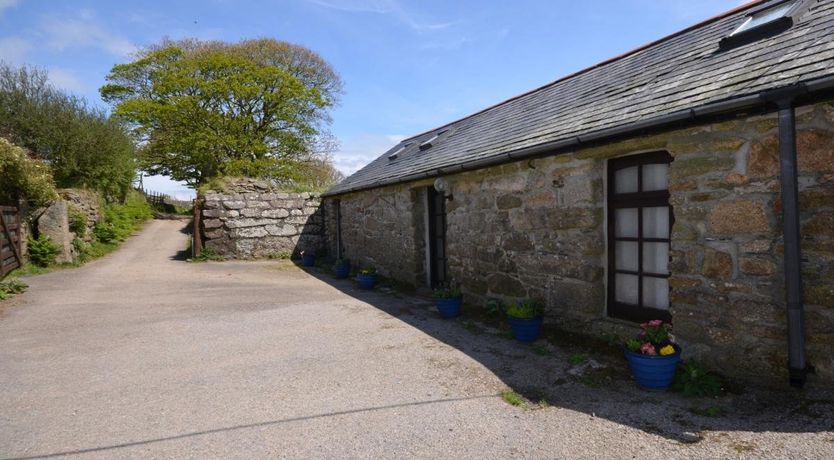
[(164, 184), (387, 7), (357, 151), (6, 4), (82, 32), (14, 49), (66, 80)]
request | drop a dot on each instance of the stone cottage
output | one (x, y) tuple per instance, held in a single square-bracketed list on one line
[(691, 179)]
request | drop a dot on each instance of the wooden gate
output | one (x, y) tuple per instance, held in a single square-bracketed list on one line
[(10, 247)]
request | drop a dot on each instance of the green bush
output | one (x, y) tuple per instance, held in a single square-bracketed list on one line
[(24, 177), (83, 145), (11, 287), (692, 379), (77, 221), (525, 309), (42, 251), (121, 220)]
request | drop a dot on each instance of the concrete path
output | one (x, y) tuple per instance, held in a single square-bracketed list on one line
[(139, 355)]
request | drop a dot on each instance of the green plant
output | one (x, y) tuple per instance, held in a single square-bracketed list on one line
[(540, 350), (77, 221), (11, 287), (448, 292), (280, 255), (512, 398), (495, 307), (23, 177), (121, 220), (525, 309), (208, 254), (341, 262), (578, 358), (367, 271), (655, 339), (711, 411), (694, 380), (42, 251)]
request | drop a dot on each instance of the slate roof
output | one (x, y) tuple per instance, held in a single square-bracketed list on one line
[(683, 71)]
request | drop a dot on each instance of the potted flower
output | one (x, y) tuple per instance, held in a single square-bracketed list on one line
[(448, 301), (653, 355), (308, 258), (525, 318), (341, 268), (366, 278)]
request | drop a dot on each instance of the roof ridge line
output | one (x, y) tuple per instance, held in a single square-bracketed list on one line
[(717, 17)]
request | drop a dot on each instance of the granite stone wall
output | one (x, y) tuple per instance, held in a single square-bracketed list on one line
[(537, 229), (262, 223)]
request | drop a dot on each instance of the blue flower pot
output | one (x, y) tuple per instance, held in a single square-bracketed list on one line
[(526, 329), (448, 308), (308, 260), (653, 372), (341, 271), (366, 282)]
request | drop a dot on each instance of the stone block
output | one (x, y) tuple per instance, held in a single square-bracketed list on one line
[(250, 232), (756, 246), (282, 230), (739, 217), (248, 222), (757, 266), (504, 202), (249, 212), (718, 265), (212, 223), (763, 160), (274, 213), (685, 168), (234, 204), (503, 284), (820, 224), (815, 151)]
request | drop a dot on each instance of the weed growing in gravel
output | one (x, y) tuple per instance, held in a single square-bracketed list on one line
[(207, 255), (711, 411), (578, 359), (11, 287), (540, 350), (695, 381), (512, 398)]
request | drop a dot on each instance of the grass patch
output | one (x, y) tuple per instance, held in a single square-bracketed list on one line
[(207, 255), (578, 359), (10, 287), (711, 411), (514, 399), (540, 350)]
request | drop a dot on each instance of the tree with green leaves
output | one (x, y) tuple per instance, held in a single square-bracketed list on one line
[(256, 108), (82, 145)]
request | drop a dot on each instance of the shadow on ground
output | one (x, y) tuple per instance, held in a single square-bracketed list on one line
[(562, 373)]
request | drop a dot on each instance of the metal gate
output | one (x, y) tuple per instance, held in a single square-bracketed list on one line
[(10, 240)]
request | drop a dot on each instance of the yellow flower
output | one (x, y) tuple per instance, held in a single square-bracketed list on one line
[(667, 350)]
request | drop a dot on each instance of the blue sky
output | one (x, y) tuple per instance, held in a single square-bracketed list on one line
[(408, 66)]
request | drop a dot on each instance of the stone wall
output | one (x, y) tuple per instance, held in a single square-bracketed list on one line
[(383, 229), (537, 229), (262, 223), (89, 203)]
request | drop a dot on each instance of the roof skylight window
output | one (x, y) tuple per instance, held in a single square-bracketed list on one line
[(393, 156), (427, 144), (765, 22)]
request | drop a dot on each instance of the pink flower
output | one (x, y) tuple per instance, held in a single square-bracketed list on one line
[(644, 325), (648, 349), (655, 323)]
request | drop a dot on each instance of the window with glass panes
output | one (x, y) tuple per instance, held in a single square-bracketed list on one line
[(639, 230)]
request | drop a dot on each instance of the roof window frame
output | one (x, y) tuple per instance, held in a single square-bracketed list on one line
[(742, 35)]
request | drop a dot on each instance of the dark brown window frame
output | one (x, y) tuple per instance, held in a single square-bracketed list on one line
[(638, 200)]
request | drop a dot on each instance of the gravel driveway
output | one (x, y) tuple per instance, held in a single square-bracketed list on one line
[(140, 355)]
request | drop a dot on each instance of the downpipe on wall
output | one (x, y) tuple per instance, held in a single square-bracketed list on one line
[(797, 366)]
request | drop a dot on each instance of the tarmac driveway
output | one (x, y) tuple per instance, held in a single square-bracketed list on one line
[(140, 355)]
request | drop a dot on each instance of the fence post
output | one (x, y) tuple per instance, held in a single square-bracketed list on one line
[(196, 235)]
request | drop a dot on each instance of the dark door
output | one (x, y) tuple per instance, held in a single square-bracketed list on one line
[(437, 238)]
